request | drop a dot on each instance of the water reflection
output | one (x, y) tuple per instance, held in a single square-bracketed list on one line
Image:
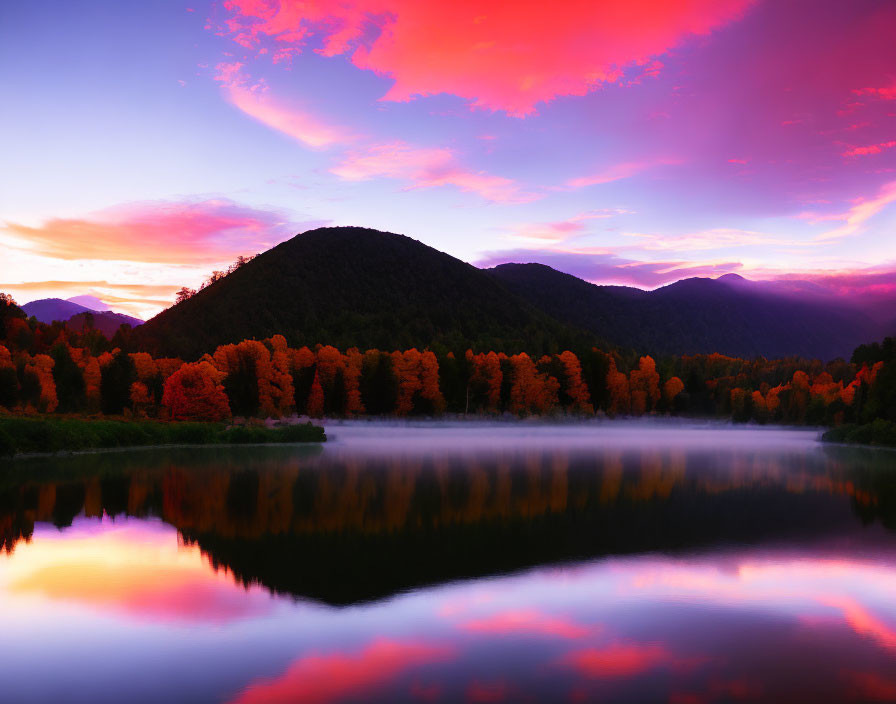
[(604, 569)]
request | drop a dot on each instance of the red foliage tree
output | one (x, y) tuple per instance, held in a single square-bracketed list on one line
[(195, 392)]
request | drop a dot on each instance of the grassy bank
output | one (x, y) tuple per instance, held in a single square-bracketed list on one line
[(22, 435), (880, 432)]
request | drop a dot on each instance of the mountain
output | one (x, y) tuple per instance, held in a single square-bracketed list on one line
[(74, 315), (47, 310), (105, 321), (355, 287), (730, 315)]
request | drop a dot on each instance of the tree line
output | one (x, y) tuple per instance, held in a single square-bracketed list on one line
[(47, 369)]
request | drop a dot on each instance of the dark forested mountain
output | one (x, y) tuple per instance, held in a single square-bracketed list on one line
[(729, 315), (356, 287), (76, 316)]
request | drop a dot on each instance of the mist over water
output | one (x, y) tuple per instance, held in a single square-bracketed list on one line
[(613, 561)]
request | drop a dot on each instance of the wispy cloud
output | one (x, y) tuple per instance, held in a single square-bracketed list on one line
[(562, 230), (715, 238), (427, 167), (169, 232), (870, 149), (855, 218), (617, 172), (255, 100)]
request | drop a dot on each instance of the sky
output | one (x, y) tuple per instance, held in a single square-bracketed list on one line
[(631, 142)]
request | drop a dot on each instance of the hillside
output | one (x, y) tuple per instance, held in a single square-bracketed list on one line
[(729, 315), (355, 287)]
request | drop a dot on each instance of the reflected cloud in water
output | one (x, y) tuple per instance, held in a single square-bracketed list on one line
[(601, 571)]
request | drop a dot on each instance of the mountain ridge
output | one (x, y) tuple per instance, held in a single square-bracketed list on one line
[(359, 287), (75, 315)]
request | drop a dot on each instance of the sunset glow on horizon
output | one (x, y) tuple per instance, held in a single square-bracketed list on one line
[(632, 142)]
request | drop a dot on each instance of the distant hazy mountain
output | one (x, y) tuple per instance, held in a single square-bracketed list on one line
[(729, 315), (48, 310), (106, 321), (355, 287)]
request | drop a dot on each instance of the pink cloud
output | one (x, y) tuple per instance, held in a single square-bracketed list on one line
[(863, 210), (426, 167), (870, 149), (256, 101), (316, 679), (170, 232), (885, 92), (563, 230), (526, 622), (501, 56), (617, 172), (619, 660)]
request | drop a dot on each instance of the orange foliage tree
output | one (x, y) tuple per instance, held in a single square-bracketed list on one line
[(617, 387), (644, 386), (195, 392)]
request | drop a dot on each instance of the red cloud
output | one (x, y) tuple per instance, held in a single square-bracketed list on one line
[(315, 679), (167, 232), (872, 687), (870, 149), (427, 167), (625, 660), (885, 92), (500, 55)]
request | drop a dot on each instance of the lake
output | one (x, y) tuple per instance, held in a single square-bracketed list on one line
[(621, 562)]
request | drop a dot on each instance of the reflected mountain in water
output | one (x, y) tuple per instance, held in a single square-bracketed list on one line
[(343, 526)]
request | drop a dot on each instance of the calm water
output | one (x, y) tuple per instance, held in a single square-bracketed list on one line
[(478, 564)]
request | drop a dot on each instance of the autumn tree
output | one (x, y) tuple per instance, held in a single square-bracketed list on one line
[(485, 381), (316, 398), (671, 391), (195, 392), (573, 390), (644, 386), (532, 391), (618, 390), (354, 365), (140, 398)]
